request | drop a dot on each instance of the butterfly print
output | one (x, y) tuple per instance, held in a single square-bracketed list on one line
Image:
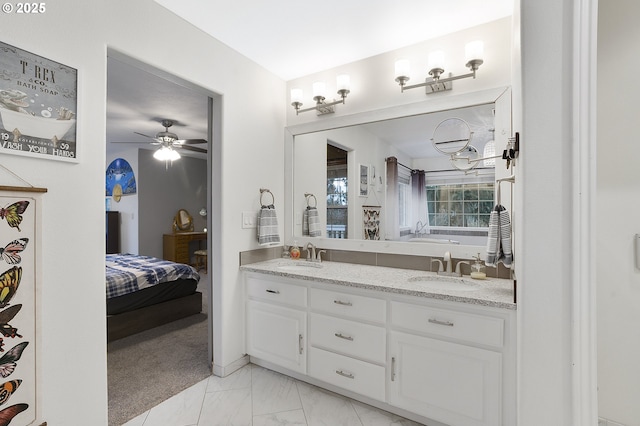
[(13, 213), (10, 252), (7, 329), (9, 282), (7, 389), (8, 361), (9, 413)]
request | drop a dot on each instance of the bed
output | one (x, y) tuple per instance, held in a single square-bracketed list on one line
[(144, 292)]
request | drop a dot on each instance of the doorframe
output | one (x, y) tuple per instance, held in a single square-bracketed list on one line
[(214, 187)]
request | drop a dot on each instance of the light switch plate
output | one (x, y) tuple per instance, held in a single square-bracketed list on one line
[(249, 220)]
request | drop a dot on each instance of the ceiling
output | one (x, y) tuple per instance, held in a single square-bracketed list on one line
[(137, 100), (293, 38)]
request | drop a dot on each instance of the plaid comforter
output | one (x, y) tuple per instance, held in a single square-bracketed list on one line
[(127, 273)]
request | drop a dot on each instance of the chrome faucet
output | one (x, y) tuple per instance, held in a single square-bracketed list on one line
[(311, 252), (419, 228), (449, 268)]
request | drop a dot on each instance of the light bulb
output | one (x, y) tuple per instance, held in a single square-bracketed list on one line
[(344, 82), (474, 51), (403, 68), (319, 89), (296, 95)]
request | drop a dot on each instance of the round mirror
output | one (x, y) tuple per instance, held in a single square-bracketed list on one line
[(451, 135), (466, 159), (182, 222)]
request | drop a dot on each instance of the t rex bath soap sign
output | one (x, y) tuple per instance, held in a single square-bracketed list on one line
[(38, 100)]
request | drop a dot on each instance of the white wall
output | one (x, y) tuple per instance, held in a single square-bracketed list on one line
[(618, 192), (77, 34)]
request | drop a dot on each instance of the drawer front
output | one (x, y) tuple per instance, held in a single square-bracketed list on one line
[(348, 337), (349, 305), (347, 373), (277, 292), (442, 322)]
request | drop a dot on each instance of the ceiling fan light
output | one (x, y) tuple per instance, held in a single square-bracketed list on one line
[(166, 154)]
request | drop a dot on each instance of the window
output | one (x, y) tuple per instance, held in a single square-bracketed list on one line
[(337, 185), (461, 205)]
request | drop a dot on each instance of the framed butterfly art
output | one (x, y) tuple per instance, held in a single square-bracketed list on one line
[(19, 240)]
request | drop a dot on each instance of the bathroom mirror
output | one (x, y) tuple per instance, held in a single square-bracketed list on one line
[(366, 140), (183, 222)]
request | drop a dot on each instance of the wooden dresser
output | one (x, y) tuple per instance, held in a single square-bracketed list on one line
[(175, 247)]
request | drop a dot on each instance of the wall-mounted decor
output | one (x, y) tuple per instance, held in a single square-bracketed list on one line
[(19, 234), (38, 101), (364, 180), (120, 179), (371, 221)]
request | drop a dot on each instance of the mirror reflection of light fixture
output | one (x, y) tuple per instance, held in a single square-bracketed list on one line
[(203, 212), (166, 153), (319, 91), (473, 54)]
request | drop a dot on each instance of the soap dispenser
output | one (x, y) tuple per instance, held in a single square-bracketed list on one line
[(478, 270), (295, 251)]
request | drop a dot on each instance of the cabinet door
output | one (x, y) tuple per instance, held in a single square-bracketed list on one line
[(455, 384), (277, 334)]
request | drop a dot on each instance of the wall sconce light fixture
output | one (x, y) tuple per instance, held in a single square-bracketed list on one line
[(435, 63), (319, 91)]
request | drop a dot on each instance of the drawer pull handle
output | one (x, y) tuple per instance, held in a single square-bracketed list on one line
[(273, 291), (342, 336), (343, 374), (340, 302), (438, 322), (300, 343), (393, 369)]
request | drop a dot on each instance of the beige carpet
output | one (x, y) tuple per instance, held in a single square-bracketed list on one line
[(150, 367)]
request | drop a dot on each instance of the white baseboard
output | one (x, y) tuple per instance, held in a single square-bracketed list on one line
[(223, 371)]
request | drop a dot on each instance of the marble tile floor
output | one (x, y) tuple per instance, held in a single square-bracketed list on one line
[(255, 396)]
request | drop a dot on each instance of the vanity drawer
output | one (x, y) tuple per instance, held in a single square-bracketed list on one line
[(277, 292), (347, 373), (442, 322), (348, 305), (348, 337)]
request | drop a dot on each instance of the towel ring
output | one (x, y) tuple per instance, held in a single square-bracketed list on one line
[(308, 196), (262, 191)]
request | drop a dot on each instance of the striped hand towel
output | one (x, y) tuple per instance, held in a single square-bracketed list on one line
[(314, 222), (499, 238), (268, 226), (305, 221)]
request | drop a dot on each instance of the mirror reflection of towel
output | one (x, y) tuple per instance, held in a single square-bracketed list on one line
[(268, 225), (499, 239)]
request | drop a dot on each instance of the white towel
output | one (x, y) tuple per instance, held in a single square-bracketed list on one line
[(499, 238), (268, 226), (314, 222)]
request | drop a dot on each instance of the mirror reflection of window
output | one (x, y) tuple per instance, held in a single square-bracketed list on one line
[(460, 206), (337, 185)]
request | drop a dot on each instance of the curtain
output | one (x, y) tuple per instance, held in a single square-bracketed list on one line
[(419, 200), (393, 230)]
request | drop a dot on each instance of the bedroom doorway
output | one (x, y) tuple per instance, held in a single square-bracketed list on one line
[(140, 100)]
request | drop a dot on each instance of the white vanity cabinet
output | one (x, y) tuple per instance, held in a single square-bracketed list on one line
[(447, 364), (347, 336), (436, 360), (277, 322)]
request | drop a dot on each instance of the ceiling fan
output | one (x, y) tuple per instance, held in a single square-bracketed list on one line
[(169, 142), (169, 139)]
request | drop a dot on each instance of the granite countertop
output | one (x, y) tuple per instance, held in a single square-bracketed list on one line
[(494, 292)]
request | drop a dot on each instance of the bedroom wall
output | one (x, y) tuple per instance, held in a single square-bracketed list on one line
[(163, 191), (72, 338)]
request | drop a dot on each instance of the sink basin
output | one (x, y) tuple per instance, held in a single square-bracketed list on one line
[(444, 283), (300, 267)]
